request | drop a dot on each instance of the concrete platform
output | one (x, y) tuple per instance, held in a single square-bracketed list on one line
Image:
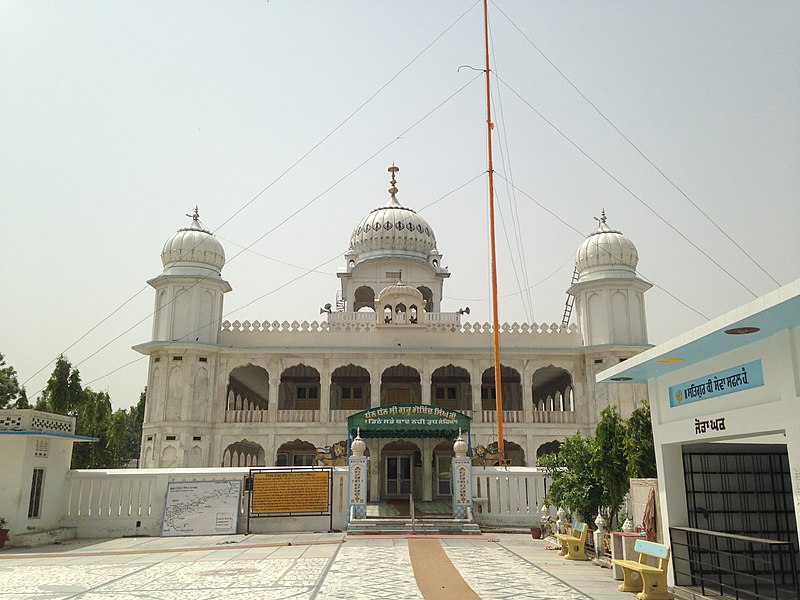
[(321, 565)]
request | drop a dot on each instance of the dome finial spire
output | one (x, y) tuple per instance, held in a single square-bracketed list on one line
[(393, 169), (602, 218), (196, 216)]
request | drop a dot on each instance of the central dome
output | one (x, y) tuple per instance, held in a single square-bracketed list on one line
[(392, 231)]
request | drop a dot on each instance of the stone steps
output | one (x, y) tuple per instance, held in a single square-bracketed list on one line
[(422, 526)]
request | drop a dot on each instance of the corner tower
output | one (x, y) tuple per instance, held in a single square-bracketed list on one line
[(189, 291), (609, 296)]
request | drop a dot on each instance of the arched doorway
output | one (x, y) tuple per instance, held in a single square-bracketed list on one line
[(350, 388), (552, 390), (243, 454), (400, 385), (514, 452), (299, 389), (364, 298), (511, 383), (450, 388), (297, 453), (548, 448), (248, 389), (400, 460)]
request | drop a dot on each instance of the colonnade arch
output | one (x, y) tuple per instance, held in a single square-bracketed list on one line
[(400, 384), (552, 390), (247, 389), (244, 453), (350, 388), (364, 298), (511, 385), (299, 388), (451, 388)]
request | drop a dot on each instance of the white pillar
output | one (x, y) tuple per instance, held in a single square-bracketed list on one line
[(358, 478), (461, 480)]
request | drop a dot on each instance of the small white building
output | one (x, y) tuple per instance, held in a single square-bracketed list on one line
[(36, 450), (725, 404), (255, 393)]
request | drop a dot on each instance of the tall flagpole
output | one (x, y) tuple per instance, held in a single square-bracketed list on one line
[(498, 387)]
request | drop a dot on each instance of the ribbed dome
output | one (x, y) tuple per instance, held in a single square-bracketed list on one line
[(400, 289), (193, 250), (391, 231), (606, 253)]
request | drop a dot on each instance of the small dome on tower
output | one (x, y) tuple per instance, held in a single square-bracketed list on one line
[(392, 231), (193, 250), (606, 253), (400, 289)]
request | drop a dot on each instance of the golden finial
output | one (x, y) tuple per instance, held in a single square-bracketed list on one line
[(393, 169)]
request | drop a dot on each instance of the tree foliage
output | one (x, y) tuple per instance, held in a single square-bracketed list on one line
[(575, 486), (639, 446), (118, 432), (593, 473), (12, 394), (609, 462)]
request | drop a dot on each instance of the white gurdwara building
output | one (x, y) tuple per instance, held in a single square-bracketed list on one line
[(271, 393)]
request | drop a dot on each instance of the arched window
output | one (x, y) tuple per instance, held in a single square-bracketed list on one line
[(450, 388), (511, 386), (248, 388), (299, 389), (552, 387), (350, 388)]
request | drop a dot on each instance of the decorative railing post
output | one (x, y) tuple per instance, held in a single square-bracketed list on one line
[(461, 477), (599, 535), (561, 513), (544, 519), (358, 478)]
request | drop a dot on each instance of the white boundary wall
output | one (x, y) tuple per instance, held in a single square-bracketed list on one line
[(125, 502), (508, 496)]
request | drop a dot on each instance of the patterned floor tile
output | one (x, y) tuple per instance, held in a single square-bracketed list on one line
[(370, 572), (497, 574)]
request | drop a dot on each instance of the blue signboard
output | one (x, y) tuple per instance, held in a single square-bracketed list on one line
[(735, 379)]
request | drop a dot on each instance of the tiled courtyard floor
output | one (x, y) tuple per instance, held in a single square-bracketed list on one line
[(296, 566)]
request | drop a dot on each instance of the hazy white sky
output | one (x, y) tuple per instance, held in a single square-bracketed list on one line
[(117, 118)]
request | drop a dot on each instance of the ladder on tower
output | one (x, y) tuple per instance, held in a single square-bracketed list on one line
[(570, 300), (341, 304)]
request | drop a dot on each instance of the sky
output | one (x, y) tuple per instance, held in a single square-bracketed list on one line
[(279, 119)]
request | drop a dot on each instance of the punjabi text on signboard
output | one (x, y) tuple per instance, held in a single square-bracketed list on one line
[(290, 492), (736, 379)]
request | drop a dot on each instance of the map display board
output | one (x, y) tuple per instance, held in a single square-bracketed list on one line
[(201, 507), (290, 492)]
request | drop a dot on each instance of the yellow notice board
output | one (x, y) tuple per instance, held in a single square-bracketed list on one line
[(291, 492)]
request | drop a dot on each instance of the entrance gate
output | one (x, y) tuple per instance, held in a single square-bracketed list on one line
[(415, 464), (398, 474)]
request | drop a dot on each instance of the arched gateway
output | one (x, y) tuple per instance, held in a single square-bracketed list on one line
[(411, 446)]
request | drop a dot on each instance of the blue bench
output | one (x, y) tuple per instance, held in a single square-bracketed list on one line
[(650, 582)]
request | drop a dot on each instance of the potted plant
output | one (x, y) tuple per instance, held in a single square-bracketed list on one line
[(536, 530), (3, 532)]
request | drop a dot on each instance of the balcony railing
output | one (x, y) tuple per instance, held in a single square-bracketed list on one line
[(509, 416), (554, 416), (298, 416), (340, 415), (246, 416)]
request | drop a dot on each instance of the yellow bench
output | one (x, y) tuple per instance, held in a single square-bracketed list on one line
[(649, 581), (572, 546)]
